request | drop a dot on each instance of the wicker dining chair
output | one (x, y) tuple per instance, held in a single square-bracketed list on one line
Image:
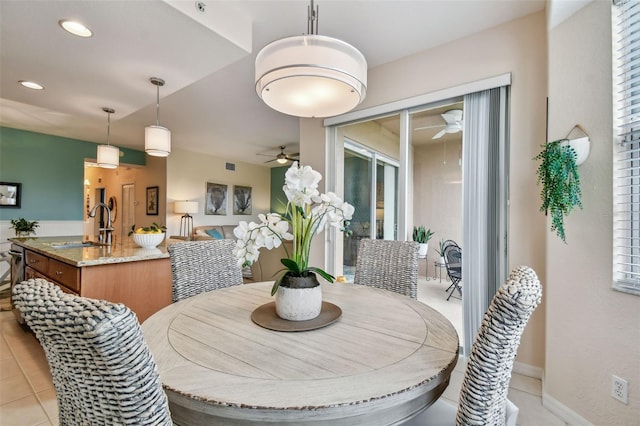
[(390, 265), (201, 266), (102, 370), (483, 397)]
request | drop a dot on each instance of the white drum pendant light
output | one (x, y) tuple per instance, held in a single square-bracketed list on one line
[(108, 155), (157, 139), (311, 75)]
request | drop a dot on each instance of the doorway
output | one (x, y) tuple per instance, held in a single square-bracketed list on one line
[(128, 208), (484, 163), (99, 221)]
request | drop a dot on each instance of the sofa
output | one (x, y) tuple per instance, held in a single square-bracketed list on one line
[(208, 232)]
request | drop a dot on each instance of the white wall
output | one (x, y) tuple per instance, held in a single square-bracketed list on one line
[(592, 330), (187, 177)]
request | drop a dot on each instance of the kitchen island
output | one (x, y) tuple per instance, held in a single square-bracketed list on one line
[(120, 272)]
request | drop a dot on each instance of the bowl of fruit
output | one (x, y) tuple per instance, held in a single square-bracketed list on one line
[(148, 236)]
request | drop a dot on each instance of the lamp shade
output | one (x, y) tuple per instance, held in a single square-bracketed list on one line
[(108, 156), (157, 141), (311, 76), (185, 207)]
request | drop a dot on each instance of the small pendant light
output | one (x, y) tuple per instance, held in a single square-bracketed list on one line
[(108, 155), (157, 139)]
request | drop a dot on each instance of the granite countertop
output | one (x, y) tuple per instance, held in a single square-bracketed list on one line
[(74, 254)]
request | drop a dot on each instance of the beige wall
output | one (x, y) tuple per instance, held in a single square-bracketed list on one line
[(518, 47), (374, 136), (592, 330), (437, 193), (187, 176)]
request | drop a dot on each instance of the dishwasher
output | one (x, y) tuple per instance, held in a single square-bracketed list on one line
[(17, 274)]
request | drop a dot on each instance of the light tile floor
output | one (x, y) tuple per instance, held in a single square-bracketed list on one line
[(27, 396)]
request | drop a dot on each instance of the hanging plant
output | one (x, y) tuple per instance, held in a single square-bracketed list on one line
[(558, 173)]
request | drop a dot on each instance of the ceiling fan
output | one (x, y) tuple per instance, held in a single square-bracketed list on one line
[(453, 123), (282, 157)]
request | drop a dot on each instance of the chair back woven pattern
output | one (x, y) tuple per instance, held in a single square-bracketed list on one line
[(103, 372), (390, 265), (486, 382), (201, 266)]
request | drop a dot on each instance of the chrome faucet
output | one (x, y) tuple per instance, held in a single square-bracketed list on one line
[(106, 231)]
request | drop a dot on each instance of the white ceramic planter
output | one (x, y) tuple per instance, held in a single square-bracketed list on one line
[(422, 249), (298, 304)]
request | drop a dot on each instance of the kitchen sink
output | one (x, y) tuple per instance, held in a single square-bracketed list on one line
[(76, 244)]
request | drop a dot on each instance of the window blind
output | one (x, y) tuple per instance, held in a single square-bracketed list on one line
[(627, 151)]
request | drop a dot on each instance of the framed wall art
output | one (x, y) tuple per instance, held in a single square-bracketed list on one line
[(215, 199), (10, 193), (152, 200), (242, 200)]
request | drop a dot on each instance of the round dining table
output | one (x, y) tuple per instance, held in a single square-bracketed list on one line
[(381, 359)]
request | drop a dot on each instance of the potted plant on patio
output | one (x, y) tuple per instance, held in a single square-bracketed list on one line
[(422, 237), (297, 290), (440, 251), (558, 173)]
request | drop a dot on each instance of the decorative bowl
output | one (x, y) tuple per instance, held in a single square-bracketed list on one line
[(148, 240)]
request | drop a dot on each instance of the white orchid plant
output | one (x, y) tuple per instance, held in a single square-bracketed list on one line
[(307, 213)]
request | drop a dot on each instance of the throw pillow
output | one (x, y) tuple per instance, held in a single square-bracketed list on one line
[(213, 233)]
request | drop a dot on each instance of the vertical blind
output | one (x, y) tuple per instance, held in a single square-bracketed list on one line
[(484, 227), (627, 152)]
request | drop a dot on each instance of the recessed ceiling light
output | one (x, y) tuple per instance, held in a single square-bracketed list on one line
[(75, 28), (31, 85)]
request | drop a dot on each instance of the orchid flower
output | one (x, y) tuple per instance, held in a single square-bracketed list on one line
[(308, 213)]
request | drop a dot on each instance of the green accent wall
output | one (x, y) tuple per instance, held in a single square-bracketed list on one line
[(278, 198), (51, 171)]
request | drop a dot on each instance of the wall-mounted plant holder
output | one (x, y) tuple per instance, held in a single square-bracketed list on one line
[(580, 144)]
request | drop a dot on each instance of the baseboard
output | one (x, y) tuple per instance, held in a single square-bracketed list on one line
[(566, 414), (550, 403), (527, 370)]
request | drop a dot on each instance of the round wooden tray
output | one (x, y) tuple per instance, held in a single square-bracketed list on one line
[(265, 316)]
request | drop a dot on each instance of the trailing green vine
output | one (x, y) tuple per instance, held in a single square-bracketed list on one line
[(558, 173)]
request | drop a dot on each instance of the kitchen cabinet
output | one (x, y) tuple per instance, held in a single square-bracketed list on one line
[(138, 278)]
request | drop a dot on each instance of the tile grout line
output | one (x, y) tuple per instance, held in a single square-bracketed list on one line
[(26, 376)]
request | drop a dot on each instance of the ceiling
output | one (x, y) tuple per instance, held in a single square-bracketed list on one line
[(206, 58)]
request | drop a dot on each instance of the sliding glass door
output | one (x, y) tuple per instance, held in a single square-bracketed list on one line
[(371, 186)]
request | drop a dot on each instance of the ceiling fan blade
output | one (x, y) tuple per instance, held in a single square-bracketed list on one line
[(440, 134), (295, 154), (266, 155), (268, 161), (429, 127)]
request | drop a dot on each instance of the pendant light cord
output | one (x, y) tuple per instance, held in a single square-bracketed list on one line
[(109, 111), (312, 19), (157, 105)]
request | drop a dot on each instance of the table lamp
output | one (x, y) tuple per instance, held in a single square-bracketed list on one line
[(186, 221)]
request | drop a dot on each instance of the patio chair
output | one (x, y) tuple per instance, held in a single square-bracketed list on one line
[(453, 264), (483, 397), (201, 266), (390, 265), (102, 370)]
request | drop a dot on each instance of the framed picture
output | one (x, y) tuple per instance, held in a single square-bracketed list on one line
[(10, 194), (215, 201), (152, 200), (242, 200)]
